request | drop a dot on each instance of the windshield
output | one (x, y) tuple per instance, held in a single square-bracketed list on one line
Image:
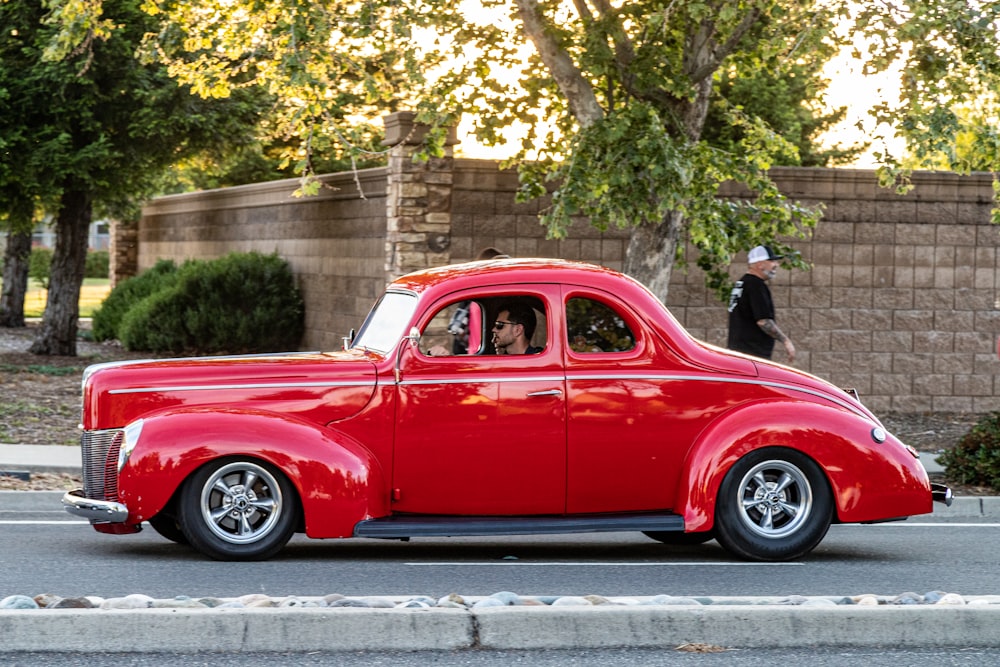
[(386, 322)]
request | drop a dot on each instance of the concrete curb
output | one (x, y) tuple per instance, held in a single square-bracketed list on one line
[(352, 629)]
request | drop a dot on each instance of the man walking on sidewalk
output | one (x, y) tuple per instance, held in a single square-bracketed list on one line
[(752, 328)]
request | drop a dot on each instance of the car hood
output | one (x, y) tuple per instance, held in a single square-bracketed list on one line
[(318, 387)]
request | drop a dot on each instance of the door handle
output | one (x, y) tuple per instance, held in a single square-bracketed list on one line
[(547, 392)]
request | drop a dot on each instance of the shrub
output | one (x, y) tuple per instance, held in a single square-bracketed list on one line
[(98, 264), (239, 303), (975, 459), (39, 265), (128, 293)]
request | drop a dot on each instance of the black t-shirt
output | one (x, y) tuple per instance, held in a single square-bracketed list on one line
[(749, 302)]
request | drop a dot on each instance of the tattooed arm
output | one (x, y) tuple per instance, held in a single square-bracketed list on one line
[(770, 327)]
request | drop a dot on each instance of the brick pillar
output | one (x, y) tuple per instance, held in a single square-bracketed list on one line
[(123, 250), (418, 205)]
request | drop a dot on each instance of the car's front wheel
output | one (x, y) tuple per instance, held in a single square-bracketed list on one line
[(774, 504), (238, 509)]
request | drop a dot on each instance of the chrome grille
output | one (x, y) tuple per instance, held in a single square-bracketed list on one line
[(100, 463)]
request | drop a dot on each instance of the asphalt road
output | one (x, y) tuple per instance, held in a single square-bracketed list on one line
[(46, 551)]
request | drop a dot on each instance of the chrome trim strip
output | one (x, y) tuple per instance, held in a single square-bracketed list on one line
[(262, 385), (703, 378), (479, 380), (646, 376), (93, 368), (97, 511)]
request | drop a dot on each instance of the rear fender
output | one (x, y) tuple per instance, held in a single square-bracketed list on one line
[(869, 480), (338, 481)]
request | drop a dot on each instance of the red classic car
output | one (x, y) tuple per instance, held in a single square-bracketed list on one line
[(617, 420)]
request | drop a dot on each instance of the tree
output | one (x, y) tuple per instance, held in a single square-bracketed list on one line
[(94, 128), (615, 98)]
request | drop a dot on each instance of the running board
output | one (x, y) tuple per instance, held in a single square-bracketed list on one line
[(425, 525)]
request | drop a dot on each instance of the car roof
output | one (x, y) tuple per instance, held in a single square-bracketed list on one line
[(513, 270)]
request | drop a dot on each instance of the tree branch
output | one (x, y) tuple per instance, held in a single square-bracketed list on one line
[(578, 91)]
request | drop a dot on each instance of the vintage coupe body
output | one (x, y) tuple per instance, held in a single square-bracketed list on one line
[(623, 422)]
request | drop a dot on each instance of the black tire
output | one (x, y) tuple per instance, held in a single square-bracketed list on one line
[(679, 539), (166, 526), (238, 509), (774, 505)]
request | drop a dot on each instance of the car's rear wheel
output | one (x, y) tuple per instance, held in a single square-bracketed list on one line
[(238, 509), (774, 504), (677, 538)]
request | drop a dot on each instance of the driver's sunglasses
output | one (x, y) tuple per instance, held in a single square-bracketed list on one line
[(500, 324)]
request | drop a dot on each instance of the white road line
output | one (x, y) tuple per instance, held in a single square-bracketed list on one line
[(26, 522), (932, 525), (607, 564)]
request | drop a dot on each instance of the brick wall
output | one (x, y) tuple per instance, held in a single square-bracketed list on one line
[(902, 301)]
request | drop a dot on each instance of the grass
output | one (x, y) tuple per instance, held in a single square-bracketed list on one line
[(92, 293)]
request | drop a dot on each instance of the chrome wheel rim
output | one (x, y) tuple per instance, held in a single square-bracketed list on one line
[(241, 503), (775, 499)]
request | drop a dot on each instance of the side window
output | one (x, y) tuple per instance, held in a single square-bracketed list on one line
[(470, 327), (594, 327), (455, 329)]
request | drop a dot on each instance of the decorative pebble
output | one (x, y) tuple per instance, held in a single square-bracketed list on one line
[(46, 600), (18, 602), (952, 599), (907, 598), (488, 602), (180, 602), (73, 603), (253, 597), (572, 601), (349, 602), (413, 604), (507, 597), (133, 601), (818, 602)]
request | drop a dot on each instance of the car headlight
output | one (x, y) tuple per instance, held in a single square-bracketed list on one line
[(130, 438)]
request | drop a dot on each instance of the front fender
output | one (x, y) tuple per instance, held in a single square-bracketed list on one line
[(338, 480), (870, 481)]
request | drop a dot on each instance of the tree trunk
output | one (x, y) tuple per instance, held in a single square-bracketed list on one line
[(15, 277), (649, 257), (57, 335)]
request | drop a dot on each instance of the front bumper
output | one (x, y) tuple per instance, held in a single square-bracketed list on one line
[(96, 511)]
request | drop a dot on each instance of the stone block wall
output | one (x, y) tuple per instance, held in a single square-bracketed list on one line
[(334, 241), (902, 299), (902, 302)]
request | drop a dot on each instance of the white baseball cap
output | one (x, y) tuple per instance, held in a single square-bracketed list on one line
[(761, 253)]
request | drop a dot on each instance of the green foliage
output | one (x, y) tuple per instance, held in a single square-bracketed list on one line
[(98, 264), (633, 113), (40, 265), (127, 294), (238, 303), (975, 459)]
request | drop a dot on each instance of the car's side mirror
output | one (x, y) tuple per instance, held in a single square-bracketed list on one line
[(414, 339), (413, 336)]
